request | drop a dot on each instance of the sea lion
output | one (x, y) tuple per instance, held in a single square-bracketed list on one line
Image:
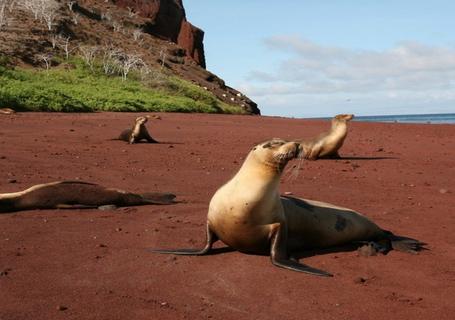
[(7, 111), (249, 215), (76, 195), (327, 144), (138, 132)]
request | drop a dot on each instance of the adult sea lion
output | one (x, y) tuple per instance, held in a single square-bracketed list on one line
[(138, 132), (248, 214), (76, 195), (327, 144)]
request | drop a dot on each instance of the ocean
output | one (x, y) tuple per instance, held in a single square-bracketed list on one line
[(441, 118)]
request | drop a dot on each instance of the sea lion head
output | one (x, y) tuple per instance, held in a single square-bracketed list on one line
[(276, 153), (343, 117), (142, 120)]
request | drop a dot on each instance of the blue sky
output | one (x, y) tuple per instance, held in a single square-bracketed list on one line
[(319, 58)]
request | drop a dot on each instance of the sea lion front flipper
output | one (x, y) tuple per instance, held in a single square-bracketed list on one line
[(211, 239), (280, 258), (313, 153)]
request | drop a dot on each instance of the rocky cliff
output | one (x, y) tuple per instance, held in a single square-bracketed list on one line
[(167, 20), (155, 30)]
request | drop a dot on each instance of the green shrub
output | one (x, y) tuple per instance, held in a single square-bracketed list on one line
[(73, 87)]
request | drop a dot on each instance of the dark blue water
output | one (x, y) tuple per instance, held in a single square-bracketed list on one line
[(411, 118)]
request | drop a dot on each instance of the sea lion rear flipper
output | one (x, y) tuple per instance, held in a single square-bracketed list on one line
[(279, 256), (158, 197), (148, 137), (407, 245), (211, 239), (74, 206)]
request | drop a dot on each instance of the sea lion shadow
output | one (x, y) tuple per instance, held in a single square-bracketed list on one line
[(169, 142), (361, 158), (220, 250), (301, 254), (159, 142), (399, 243)]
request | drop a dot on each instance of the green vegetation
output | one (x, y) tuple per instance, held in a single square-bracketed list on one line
[(73, 87)]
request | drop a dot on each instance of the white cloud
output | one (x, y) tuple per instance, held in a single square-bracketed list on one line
[(403, 74)]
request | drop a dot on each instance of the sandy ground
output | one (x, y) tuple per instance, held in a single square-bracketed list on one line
[(93, 264)]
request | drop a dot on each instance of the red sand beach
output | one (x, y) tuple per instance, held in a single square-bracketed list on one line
[(93, 264)]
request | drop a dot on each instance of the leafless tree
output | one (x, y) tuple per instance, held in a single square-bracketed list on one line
[(50, 12), (46, 57), (3, 17), (111, 57), (75, 17), (128, 62), (131, 12), (63, 42), (145, 70), (54, 40), (70, 4), (89, 54), (117, 26), (45, 10), (34, 6), (137, 35), (106, 15), (162, 58), (11, 4)]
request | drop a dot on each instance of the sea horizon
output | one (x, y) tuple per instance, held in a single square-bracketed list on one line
[(430, 118)]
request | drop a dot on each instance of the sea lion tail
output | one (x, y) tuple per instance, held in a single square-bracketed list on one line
[(158, 198)]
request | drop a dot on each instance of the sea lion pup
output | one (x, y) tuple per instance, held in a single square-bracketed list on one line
[(138, 132), (248, 214), (7, 111), (327, 144), (76, 195)]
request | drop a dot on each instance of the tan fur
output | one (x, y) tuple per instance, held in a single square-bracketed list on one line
[(248, 214), (7, 111), (328, 143), (76, 194), (243, 211)]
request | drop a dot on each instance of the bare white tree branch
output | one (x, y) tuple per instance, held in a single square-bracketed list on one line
[(46, 57), (137, 35), (89, 54), (128, 62)]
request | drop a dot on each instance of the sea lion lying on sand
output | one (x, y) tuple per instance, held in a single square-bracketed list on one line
[(249, 215), (7, 111), (327, 144), (76, 195), (138, 132)]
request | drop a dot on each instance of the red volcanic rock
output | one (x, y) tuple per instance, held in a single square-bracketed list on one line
[(168, 21), (191, 38)]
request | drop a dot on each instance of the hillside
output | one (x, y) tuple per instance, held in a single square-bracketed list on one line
[(148, 42)]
